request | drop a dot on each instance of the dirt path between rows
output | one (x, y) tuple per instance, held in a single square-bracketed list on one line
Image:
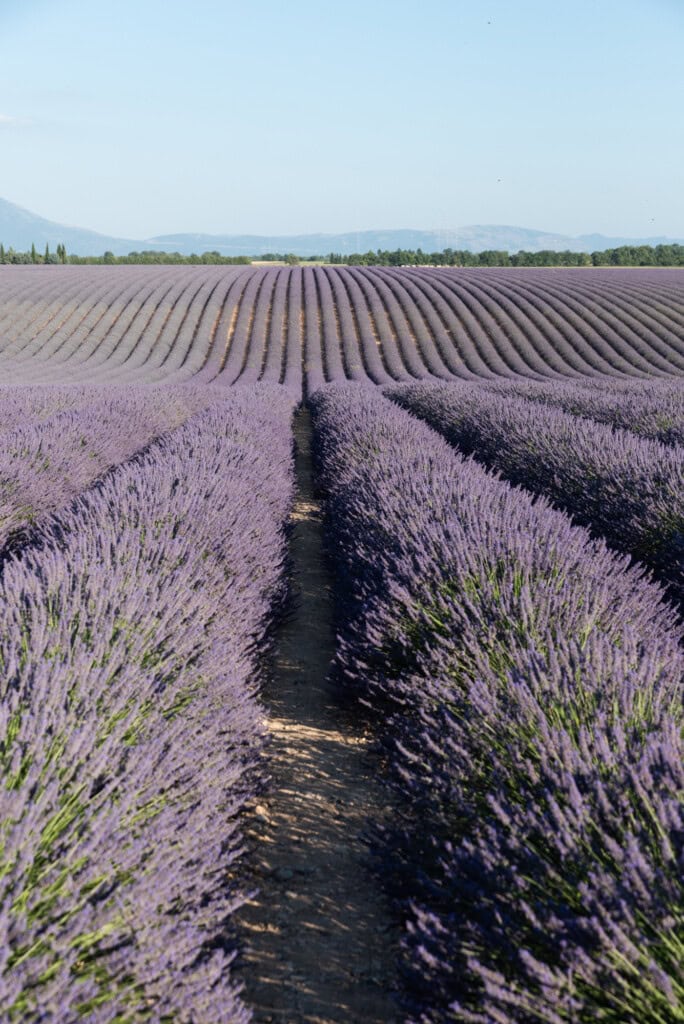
[(321, 946)]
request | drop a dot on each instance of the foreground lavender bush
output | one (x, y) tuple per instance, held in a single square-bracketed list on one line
[(627, 489), (130, 730), (528, 682), (48, 459), (653, 409)]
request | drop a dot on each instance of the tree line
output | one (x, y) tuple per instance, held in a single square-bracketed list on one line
[(60, 255), (622, 256), (33, 256)]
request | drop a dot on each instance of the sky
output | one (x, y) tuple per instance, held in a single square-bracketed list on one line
[(145, 117)]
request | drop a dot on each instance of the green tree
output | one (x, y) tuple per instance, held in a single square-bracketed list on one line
[(493, 258)]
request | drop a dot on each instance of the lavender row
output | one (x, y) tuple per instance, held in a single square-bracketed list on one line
[(652, 409), (131, 733), (22, 405), (128, 324), (627, 489), (143, 323), (527, 685), (39, 404), (46, 461)]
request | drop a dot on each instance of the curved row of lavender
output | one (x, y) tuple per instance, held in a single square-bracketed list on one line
[(295, 325), (653, 409), (131, 636), (527, 685), (54, 442), (627, 489), (23, 405)]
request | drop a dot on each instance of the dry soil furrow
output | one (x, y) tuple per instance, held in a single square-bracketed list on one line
[(321, 946)]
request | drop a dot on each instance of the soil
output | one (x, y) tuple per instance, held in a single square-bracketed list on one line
[(321, 944)]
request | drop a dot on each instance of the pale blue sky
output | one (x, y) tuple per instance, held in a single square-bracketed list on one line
[(154, 116)]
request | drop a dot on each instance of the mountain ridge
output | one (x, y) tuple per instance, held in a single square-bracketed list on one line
[(20, 228)]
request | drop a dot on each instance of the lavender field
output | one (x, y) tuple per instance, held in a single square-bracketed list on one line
[(305, 327), (470, 485)]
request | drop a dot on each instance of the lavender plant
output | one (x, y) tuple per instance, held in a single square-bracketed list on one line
[(46, 460), (626, 489), (23, 405), (652, 409), (527, 687), (130, 730)]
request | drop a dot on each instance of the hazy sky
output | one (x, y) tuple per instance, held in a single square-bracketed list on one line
[(275, 116)]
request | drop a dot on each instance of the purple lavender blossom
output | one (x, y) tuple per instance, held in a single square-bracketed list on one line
[(526, 683), (131, 731), (626, 489)]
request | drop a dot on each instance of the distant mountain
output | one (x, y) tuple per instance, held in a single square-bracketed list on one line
[(473, 238), (20, 229)]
